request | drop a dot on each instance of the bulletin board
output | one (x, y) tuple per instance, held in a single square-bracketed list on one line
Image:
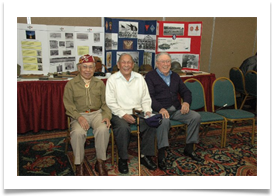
[(182, 40), (43, 49), (136, 37)]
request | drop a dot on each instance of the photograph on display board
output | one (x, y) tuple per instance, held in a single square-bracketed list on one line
[(55, 35), (128, 29), (111, 41), (177, 58), (127, 44), (30, 34), (82, 36), (108, 59), (67, 52), (147, 58), (69, 66), (69, 44), (97, 50), (174, 29), (190, 61), (69, 35), (171, 45), (96, 37), (146, 42)]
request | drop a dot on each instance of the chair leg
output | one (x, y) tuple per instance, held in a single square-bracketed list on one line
[(224, 134), (67, 141), (139, 148), (206, 129), (117, 157), (253, 131), (233, 126), (66, 148), (243, 102), (112, 148)]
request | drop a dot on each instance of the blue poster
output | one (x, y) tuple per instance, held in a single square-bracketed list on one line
[(136, 37)]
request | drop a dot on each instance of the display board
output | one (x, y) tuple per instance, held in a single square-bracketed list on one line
[(182, 40), (137, 37), (43, 49)]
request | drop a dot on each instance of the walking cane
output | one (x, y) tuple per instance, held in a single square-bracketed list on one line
[(138, 134), (139, 150)]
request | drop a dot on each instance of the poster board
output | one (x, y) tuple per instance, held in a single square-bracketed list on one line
[(32, 49), (136, 37), (43, 49), (182, 40)]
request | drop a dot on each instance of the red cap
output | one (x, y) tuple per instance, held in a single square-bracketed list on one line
[(86, 59)]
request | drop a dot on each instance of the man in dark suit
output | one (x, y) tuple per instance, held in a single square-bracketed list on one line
[(164, 86)]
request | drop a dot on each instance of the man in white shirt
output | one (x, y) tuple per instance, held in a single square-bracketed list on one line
[(126, 90)]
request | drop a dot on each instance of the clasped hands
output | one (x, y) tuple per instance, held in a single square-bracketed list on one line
[(85, 125)]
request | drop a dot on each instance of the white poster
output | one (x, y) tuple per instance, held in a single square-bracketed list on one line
[(171, 45), (43, 49), (194, 29)]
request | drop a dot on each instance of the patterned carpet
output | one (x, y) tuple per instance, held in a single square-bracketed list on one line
[(43, 155)]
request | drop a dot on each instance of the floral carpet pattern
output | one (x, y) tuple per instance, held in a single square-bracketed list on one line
[(43, 158), (239, 158)]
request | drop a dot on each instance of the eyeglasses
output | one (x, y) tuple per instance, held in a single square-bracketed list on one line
[(126, 62), (166, 61), (88, 67)]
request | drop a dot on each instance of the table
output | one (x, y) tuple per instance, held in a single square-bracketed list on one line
[(40, 103)]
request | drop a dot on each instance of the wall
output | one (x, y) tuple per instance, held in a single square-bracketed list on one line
[(226, 41)]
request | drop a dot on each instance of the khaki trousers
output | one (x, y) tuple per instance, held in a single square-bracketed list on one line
[(78, 136)]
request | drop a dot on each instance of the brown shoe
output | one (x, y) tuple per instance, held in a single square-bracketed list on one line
[(79, 170), (100, 167)]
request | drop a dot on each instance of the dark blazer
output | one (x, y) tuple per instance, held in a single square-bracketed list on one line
[(164, 96)]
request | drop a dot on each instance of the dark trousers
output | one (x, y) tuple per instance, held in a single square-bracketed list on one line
[(121, 130)]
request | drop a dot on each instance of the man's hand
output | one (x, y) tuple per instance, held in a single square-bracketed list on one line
[(107, 121), (185, 108), (83, 123), (164, 113), (129, 118)]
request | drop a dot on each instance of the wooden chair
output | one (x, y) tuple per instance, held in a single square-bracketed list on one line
[(223, 96), (199, 102), (90, 136)]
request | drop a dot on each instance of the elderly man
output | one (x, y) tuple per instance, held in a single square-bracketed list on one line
[(164, 86), (84, 100), (126, 90)]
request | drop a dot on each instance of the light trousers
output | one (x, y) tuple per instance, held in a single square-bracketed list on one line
[(78, 136)]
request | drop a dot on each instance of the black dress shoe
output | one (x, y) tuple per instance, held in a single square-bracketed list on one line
[(147, 161), (122, 166), (162, 164), (193, 156)]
